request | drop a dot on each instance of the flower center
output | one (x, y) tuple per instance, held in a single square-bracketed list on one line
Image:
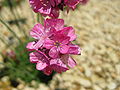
[(57, 43)]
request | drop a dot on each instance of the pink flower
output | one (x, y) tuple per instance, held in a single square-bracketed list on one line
[(53, 46), (52, 7), (60, 44), (47, 65), (40, 32), (57, 45), (51, 26)]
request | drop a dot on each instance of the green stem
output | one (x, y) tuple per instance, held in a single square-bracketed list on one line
[(1, 39), (38, 18), (10, 30), (41, 19), (12, 11)]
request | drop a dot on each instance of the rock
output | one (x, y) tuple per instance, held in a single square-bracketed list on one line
[(117, 67), (88, 72), (96, 87), (42, 87), (112, 86), (5, 79), (84, 82), (20, 86)]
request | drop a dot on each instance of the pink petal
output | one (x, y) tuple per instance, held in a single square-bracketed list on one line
[(30, 46), (65, 40), (72, 3), (55, 23), (33, 58), (61, 38), (68, 60), (71, 62), (48, 44), (64, 49), (38, 44), (48, 70), (40, 65), (42, 6), (37, 31), (83, 1), (54, 52), (58, 2), (74, 49), (71, 34), (52, 2), (68, 31), (58, 65), (54, 13), (38, 56)]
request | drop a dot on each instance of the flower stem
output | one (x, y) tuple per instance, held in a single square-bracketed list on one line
[(10, 30), (38, 18)]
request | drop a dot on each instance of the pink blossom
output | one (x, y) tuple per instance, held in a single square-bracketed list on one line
[(57, 45), (52, 7), (52, 46), (40, 32), (47, 65)]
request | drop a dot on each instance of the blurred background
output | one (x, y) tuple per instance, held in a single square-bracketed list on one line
[(97, 26)]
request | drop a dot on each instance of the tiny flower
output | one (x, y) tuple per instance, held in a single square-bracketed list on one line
[(57, 45)]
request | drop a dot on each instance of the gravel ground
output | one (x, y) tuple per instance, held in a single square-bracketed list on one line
[(98, 27)]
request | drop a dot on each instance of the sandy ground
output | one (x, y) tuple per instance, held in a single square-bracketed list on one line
[(97, 25)]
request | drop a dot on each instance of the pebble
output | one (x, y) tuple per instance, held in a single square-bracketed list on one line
[(84, 82), (96, 87), (112, 86)]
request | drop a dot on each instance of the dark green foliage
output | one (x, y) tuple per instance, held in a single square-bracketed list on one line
[(20, 67), (11, 3)]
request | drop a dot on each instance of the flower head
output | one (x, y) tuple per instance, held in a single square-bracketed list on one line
[(52, 46), (52, 7)]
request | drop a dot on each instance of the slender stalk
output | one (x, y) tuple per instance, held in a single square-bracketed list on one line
[(38, 18), (12, 11), (1, 39), (41, 19), (10, 30)]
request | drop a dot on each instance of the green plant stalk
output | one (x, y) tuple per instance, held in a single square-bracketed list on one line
[(12, 11), (18, 25), (1, 39), (38, 18), (10, 30), (17, 13), (41, 19)]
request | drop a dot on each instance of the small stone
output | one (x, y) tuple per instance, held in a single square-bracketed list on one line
[(85, 82), (112, 85), (42, 87), (95, 87), (117, 67), (20, 86), (88, 72), (5, 79), (28, 88)]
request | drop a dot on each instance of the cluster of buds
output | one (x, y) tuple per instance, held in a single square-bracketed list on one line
[(53, 45)]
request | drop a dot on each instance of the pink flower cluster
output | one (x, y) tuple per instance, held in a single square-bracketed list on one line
[(52, 7), (52, 46)]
